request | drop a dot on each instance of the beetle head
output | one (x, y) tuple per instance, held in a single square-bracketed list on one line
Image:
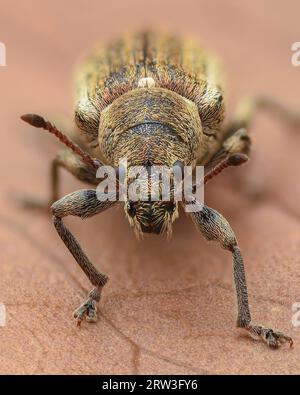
[(156, 208)]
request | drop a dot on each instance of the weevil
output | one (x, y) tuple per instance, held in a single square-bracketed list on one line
[(154, 99)]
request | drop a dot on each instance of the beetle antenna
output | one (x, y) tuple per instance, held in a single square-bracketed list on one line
[(39, 122), (232, 160)]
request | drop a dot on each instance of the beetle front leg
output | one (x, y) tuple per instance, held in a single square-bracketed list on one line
[(73, 164), (215, 227), (83, 203)]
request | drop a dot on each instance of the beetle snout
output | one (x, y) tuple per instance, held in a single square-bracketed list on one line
[(151, 217)]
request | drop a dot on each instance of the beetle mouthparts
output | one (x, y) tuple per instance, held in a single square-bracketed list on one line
[(34, 120)]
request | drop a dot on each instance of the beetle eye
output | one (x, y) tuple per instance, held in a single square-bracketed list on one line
[(130, 209), (171, 208)]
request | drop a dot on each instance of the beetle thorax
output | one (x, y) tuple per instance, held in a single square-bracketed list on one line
[(150, 125)]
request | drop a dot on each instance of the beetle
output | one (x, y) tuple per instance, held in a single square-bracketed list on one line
[(154, 99)]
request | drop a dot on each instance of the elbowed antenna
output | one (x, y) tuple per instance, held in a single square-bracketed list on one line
[(39, 122), (232, 160)]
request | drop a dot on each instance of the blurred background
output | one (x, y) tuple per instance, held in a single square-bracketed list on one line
[(169, 306)]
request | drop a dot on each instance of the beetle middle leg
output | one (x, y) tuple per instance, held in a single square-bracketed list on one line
[(237, 140), (238, 143), (83, 203), (233, 152), (214, 226), (248, 108), (72, 163)]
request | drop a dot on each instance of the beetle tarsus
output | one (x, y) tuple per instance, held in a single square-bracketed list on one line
[(88, 310), (273, 339)]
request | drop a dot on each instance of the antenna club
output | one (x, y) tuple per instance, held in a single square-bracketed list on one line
[(34, 120)]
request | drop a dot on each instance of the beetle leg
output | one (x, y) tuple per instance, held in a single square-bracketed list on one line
[(83, 203), (71, 162), (248, 108), (214, 226), (238, 143), (236, 140)]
